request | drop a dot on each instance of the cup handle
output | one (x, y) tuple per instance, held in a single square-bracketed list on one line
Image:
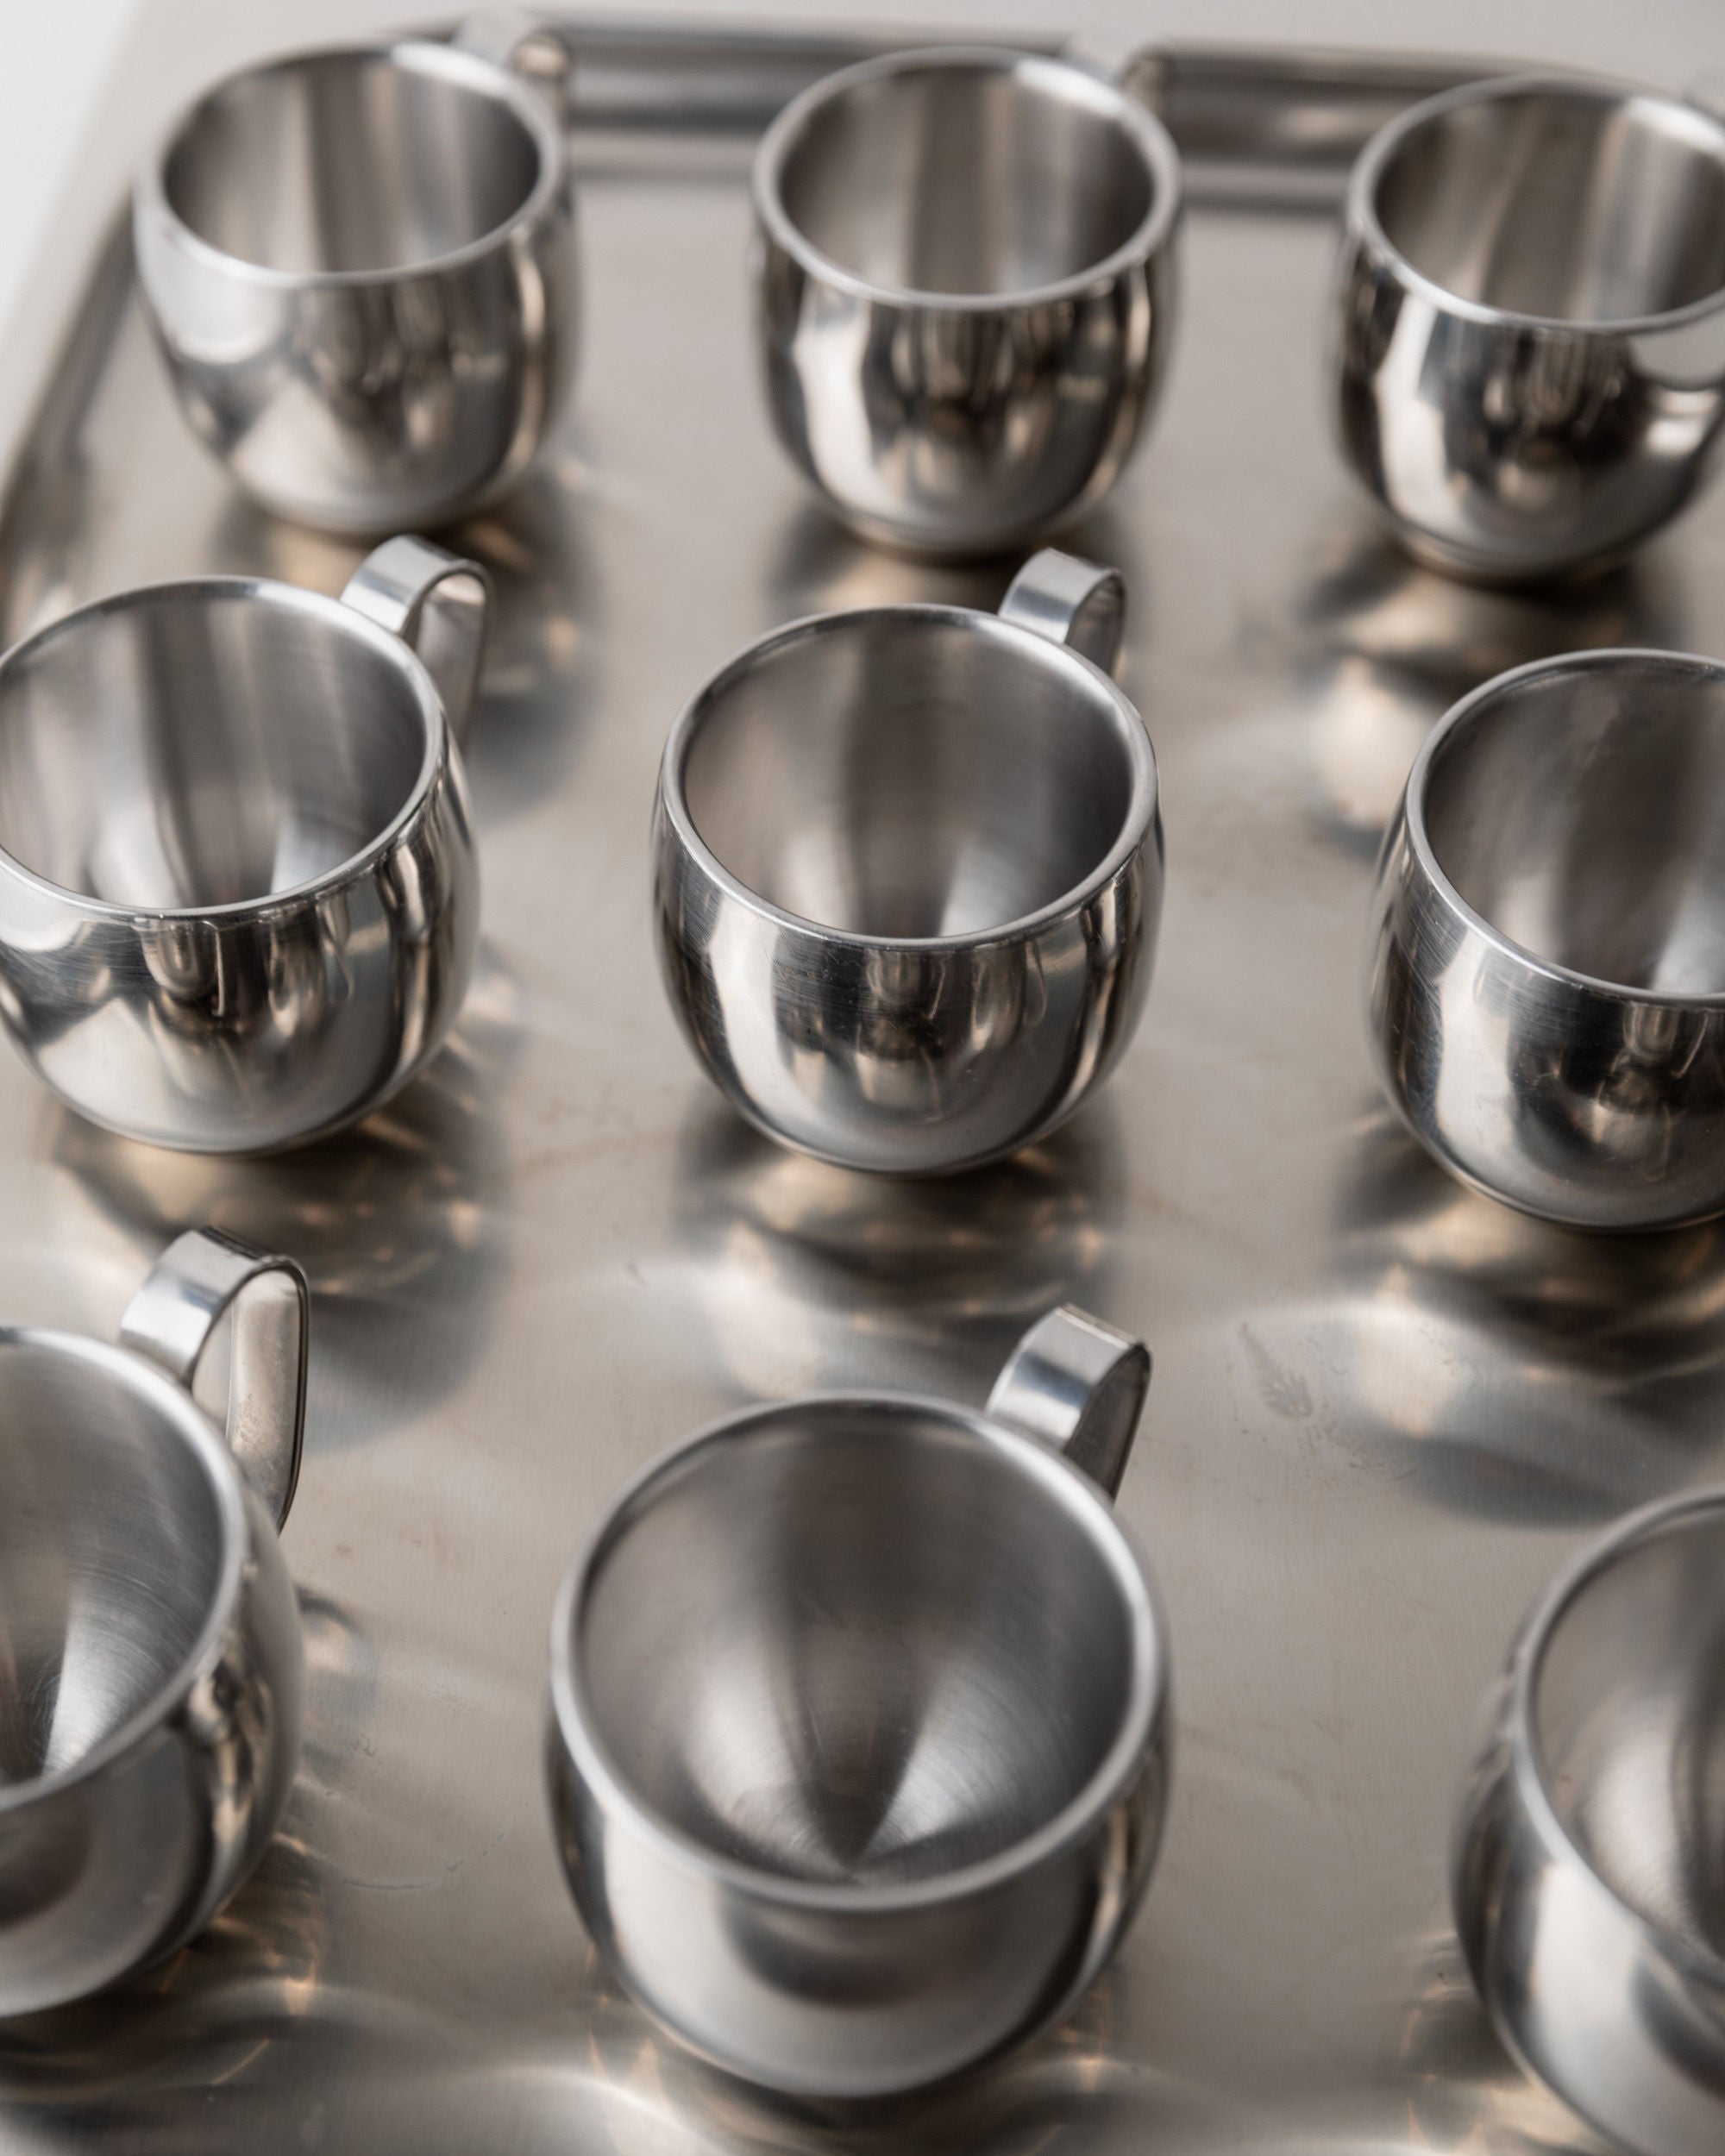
[(170, 1320), (1071, 602), (440, 605), (1079, 1386), (531, 45)]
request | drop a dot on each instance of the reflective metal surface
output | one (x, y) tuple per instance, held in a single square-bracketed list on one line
[(907, 869), (858, 1742), (238, 894), (964, 291), (1587, 1873), (150, 1664), (1530, 335), (1545, 959), (360, 263), (1385, 1407)]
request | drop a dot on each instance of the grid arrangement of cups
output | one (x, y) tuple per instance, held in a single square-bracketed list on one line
[(907, 868)]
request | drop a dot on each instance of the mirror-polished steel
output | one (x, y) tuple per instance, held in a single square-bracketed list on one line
[(1546, 952), (1386, 1407), (908, 874), (1530, 335), (1588, 1883), (239, 895), (964, 279), (150, 1658), (361, 264), (858, 1738)]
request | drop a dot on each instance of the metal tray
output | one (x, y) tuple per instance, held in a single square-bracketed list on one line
[(1383, 1410)]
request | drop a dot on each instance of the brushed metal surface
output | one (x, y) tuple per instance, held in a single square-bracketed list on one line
[(1385, 1409)]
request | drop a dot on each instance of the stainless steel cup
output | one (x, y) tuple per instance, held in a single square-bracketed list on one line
[(1590, 1868), (858, 1737), (361, 267), (908, 873), (239, 896), (964, 288), (1530, 342), (150, 1658), (1545, 978)]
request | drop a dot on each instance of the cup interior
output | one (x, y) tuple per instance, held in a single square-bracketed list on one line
[(1629, 1725), (1581, 812), (967, 176), (349, 161), (111, 1554), (196, 746), (1570, 203), (855, 1643), (904, 773)]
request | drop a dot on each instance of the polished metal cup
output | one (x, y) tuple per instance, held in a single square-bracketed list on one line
[(1546, 974), (360, 266), (239, 896), (965, 291), (858, 1739), (1590, 1866), (151, 1665), (1530, 341), (908, 873)]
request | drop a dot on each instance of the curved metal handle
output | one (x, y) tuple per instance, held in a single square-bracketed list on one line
[(527, 45), (440, 605), (1079, 1386), (170, 1320), (1069, 601)]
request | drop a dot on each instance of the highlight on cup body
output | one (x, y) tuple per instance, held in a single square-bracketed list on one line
[(239, 892), (965, 291), (151, 1664), (857, 1743), (908, 873), (1529, 341), (360, 263), (1545, 956), (1586, 1859)]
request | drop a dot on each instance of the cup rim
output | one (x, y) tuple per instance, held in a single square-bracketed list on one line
[(1144, 1714), (1626, 657), (1361, 218), (1136, 825), (1643, 1525), (1058, 78), (222, 1475), (293, 599), (419, 56)]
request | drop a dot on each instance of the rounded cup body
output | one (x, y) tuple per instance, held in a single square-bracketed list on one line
[(353, 376), (915, 1054), (1004, 402), (1619, 2011), (1581, 1081), (120, 1838), (800, 1904), (141, 975), (1536, 401)]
